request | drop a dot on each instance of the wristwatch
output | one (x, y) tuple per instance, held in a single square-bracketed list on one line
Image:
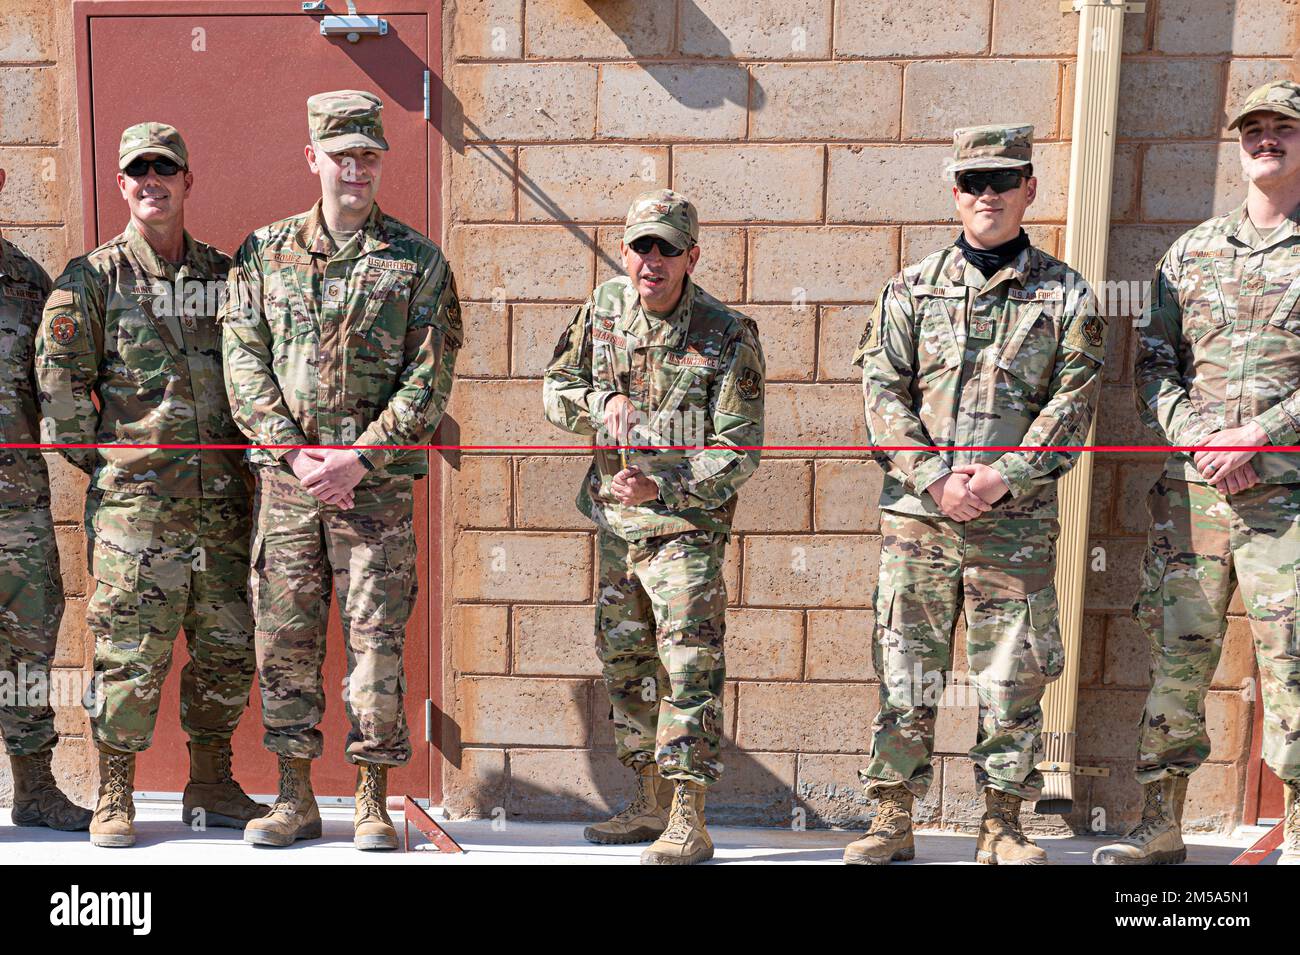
[(365, 461)]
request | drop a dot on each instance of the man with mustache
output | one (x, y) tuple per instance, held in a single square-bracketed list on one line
[(653, 349), (133, 324), (988, 343), (1218, 366), (342, 328), (31, 588)]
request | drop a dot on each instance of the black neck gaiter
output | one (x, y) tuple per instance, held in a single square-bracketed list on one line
[(988, 261)]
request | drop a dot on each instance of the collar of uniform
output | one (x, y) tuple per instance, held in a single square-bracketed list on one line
[(669, 330), (1239, 226), (312, 236), (153, 263)]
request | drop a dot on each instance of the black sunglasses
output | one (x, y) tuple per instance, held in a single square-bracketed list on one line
[(643, 245), (140, 167), (974, 183)]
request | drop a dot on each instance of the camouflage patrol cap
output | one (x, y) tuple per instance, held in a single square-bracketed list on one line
[(666, 214), (346, 119), (1282, 96), (156, 138), (991, 147)]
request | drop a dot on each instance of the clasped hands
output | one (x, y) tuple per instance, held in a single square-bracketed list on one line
[(630, 486), (331, 475), (969, 491), (1230, 471)]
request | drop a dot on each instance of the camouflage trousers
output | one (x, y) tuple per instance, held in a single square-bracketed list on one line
[(31, 607), (1000, 568), (659, 629), (303, 546), (1201, 544), (161, 565)]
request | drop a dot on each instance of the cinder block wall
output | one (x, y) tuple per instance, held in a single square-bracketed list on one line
[(811, 134), (40, 212)]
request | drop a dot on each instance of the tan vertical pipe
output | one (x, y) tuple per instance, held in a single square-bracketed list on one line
[(1087, 230)]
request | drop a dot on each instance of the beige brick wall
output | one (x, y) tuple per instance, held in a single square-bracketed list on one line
[(40, 211), (806, 130), (811, 135)]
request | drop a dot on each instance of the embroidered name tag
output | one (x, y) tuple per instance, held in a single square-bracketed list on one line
[(19, 291), (144, 290), (692, 358), (288, 258), (1209, 253), (1036, 295), (940, 291), (395, 265), (602, 335)]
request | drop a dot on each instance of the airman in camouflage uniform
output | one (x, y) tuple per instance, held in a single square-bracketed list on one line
[(1218, 364), (342, 328), (133, 324), (957, 357), (31, 589), (655, 355)]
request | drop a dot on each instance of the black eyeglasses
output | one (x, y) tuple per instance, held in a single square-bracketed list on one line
[(140, 167), (974, 183), (643, 245)]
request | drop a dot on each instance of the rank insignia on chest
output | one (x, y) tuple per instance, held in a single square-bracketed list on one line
[(749, 385), (981, 328), (334, 289)]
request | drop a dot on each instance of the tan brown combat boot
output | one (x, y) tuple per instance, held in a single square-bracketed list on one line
[(38, 801), (212, 797), (111, 826), (1001, 840), (684, 841), (371, 826), (1291, 826), (645, 817), (294, 815), (890, 837), (1157, 839)]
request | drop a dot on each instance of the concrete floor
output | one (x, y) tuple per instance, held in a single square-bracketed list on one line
[(164, 839)]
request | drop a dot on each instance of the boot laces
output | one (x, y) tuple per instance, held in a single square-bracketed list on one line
[(891, 817), (41, 773), (640, 803), (224, 771), (1154, 816), (288, 796), (117, 785), (1005, 813), (679, 822), (372, 799)]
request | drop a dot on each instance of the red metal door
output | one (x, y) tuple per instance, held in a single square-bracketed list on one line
[(234, 76)]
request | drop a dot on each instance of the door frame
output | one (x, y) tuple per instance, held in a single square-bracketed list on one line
[(82, 12)]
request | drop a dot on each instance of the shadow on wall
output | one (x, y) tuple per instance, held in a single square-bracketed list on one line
[(727, 83)]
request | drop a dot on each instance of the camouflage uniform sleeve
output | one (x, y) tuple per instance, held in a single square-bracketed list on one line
[(1066, 417), (887, 356), (1163, 403), (69, 345), (434, 334), (712, 475), (571, 399), (256, 402)]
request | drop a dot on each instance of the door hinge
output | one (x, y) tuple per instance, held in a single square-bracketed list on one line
[(428, 721), (427, 78)]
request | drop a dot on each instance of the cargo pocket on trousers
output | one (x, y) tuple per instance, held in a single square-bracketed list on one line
[(113, 614), (1046, 651), (401, 582), (1150, 598)]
